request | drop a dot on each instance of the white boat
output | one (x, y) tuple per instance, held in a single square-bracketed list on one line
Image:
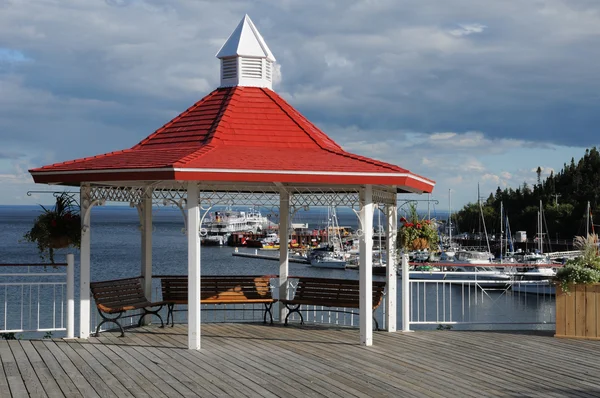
[(535, 281), (220, 225), (327, 259)]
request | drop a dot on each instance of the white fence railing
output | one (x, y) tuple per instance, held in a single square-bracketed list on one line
[(37, 297), (490, 298)]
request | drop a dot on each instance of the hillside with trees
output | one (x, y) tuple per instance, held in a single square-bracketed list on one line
[(564, 199)]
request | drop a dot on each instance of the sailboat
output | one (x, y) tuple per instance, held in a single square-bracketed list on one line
[(331, 255)]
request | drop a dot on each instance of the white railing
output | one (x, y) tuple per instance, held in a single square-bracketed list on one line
[(37, 297), (473, 298)]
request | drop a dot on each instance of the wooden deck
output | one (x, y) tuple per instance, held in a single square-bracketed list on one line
[(275, 361)]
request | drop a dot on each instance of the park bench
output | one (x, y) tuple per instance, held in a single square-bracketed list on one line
[(115, 297), (332, 293), (220, 289)]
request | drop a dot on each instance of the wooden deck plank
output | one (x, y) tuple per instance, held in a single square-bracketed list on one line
[(144, 380), (27, 370), (250, 359), (65, 383), (82, 370), (120, 386), (41, 369), (139, 389), (11, 371), (130, 357), (285, 374), (4, 386)]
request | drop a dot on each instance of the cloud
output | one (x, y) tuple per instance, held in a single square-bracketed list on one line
[(426, 85), (8, 55), (467, 29)]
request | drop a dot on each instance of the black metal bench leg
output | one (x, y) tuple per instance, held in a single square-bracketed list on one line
[(149, 312), (268, 310), (106, 319), (170, 309), (291, 311)]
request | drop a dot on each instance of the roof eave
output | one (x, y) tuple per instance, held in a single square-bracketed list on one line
[(406, 182)]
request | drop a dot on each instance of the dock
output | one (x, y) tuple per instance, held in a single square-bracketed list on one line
[(268, 257), (249, 360)]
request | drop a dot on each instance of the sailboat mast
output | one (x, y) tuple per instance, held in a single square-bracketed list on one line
[(540, 229), (450, 217), (501, 232), (587, 222)]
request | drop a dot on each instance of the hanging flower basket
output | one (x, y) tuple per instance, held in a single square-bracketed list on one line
[(419, 244), (417, 233), (57, 227), (59, 242)]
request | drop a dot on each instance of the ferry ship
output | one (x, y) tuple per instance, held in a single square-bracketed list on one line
[(220, 225)]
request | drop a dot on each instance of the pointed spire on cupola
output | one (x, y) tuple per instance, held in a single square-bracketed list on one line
[(245, 58)]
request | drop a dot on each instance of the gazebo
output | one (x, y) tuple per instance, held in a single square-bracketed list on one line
[(241, 144)]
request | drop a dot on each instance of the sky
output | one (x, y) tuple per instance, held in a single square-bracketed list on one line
[(464, 92)]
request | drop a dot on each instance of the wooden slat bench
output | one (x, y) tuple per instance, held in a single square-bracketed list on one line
[(220, 289), (340, 293), (121, 295)]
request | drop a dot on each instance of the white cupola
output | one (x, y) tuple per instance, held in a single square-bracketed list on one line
[(245, 58)]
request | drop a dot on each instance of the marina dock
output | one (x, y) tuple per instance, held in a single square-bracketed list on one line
[(269, 257), (245, 359)]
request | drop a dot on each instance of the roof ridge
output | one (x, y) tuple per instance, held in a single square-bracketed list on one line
[(338, 149), (175, 119), (214, 131), (203, 150), (317, 140)]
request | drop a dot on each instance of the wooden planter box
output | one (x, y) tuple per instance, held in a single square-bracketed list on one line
[(578, 312)]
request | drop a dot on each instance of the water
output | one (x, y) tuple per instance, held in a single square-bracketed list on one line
[(116, 253)]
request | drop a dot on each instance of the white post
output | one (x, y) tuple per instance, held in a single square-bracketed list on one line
[(84, 262), (391, 269), (405, 294), (70, 296), (146, 265), (284, 222), (366, 266), (193, 224)]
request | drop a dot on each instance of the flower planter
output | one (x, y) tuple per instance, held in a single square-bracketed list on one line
[(419, 244), (578, 312), (59, 242)]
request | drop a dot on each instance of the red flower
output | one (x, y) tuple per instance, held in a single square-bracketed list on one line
[(53, 223), (402, 219), (410, 225), (67, 216), (427, 222), (418, 226)]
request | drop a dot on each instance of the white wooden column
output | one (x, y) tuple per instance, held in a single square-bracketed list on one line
[(366, 266), (146, 263), (193, 227), (405, 294), (284, 223), (70, 296), (391, 269), (84, 262)]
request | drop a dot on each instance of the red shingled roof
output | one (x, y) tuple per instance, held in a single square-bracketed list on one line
[(235, 134)]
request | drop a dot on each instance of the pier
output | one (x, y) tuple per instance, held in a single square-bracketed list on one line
[(246, 359)]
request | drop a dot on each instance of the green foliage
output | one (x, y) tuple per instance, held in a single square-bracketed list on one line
[(8, 336), (564, 196), (417, 233), (584, 269), (444, 327), (62, 223), (48, 335)]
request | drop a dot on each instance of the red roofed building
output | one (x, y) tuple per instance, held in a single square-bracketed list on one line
[(241, 137)]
